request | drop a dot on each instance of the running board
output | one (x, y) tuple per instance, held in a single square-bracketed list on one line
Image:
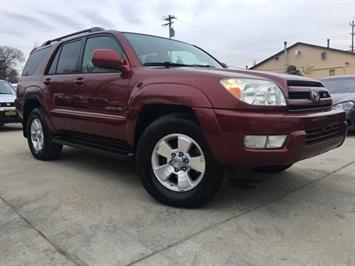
[(108, 151)]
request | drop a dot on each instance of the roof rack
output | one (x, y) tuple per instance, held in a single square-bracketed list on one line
[(73, 34)]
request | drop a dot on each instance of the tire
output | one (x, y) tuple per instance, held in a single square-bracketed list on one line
[(46, 150), (273, 169), (204, 175)]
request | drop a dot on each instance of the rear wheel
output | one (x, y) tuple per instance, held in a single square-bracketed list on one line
[(39, 138), (273, 168), (174, 162)]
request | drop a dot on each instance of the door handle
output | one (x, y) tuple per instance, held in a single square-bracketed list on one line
[(47, 81), (79, 81)]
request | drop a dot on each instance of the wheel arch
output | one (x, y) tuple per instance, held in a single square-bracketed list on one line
[(150, 112), (30, 103), (154, 100)]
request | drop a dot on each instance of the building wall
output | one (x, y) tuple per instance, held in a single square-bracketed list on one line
[(313, 62)]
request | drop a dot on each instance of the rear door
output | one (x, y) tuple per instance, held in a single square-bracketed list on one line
[(61, 82), (102, 95)]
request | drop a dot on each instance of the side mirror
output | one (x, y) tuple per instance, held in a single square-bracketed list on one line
[(224, 65), (107, 58)]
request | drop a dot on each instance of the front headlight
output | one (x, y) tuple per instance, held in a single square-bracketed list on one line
[(254, 91), (346, 106)]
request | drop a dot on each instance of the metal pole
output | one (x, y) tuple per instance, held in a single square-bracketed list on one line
[(285, 55), (352, 24)]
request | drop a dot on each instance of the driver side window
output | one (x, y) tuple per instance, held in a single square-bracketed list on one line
[(100, 42)]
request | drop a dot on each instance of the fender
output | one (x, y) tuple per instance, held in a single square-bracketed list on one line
[(35, 93), (176, 94)]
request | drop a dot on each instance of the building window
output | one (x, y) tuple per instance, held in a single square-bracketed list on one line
[(331, 72)]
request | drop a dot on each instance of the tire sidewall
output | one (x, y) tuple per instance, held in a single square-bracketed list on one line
[(37, 113), (157, 130)]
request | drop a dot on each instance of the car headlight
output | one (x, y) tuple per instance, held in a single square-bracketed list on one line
[(346, 106), (254, 91)]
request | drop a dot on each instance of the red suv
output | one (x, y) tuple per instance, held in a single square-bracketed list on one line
[(176, 109)]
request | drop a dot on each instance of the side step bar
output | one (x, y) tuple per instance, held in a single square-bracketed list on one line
[(108, 151)]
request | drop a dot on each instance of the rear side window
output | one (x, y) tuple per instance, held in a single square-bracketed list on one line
[(53, 67), (34, 60), (100, 42), (69, 58)]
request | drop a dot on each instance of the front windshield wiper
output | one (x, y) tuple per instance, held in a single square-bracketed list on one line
[(171, 64)]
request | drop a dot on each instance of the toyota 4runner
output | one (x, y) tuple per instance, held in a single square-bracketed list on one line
[(176, 109)]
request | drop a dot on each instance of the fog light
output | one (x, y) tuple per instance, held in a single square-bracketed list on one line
[(264, 142), (275, 141), (255, 142)]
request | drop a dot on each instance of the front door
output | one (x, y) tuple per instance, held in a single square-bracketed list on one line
[(101, 95)]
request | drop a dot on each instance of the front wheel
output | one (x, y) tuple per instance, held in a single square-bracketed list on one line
[(175, 164)]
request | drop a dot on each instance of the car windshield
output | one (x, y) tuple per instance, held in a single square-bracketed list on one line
[(6, 88), (158, 51), (340, 85)]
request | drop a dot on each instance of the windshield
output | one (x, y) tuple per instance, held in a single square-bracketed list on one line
[(6, 88), (340, 85), (157, 51)]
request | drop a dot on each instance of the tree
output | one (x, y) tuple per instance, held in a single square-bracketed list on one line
[(10, 58)]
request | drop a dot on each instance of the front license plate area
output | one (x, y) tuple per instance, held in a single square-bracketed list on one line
[(10, 113)]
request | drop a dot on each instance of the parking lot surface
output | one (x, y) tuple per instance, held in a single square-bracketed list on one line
[(84, 209)]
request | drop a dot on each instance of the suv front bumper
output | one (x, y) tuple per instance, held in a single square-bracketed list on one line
[(308, 134), (350, 118), (6, 117)]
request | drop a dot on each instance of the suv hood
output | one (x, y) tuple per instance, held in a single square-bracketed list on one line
[(207, 80), (343, 97), (279, 78), (7, 98)]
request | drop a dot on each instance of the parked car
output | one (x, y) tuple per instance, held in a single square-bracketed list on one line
[(14, 85), (172, 107), (8, 112), (342, 89)]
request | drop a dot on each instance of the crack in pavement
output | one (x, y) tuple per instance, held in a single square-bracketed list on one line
[(246, 211), (73, 259)]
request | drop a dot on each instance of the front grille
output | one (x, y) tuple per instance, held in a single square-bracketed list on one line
[(318, 135), (301, 97), (306, 95), (7, 104)]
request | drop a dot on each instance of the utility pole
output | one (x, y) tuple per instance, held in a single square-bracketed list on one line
[(352, 25), (285, 55), (169, 23)]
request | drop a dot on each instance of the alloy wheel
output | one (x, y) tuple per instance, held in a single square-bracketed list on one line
[(37, 136), (178, 162)]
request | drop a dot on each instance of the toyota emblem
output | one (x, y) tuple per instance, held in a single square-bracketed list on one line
[(315, 97)]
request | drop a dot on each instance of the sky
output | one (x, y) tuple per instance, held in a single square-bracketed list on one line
[(238, 33)]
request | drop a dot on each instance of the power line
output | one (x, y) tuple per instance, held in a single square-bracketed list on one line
[(208, 31), (245, 43)]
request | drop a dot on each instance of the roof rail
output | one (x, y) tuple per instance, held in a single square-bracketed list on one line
[(73, 34)]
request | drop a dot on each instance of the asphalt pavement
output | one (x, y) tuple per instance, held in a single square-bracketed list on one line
[(85, 209)]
